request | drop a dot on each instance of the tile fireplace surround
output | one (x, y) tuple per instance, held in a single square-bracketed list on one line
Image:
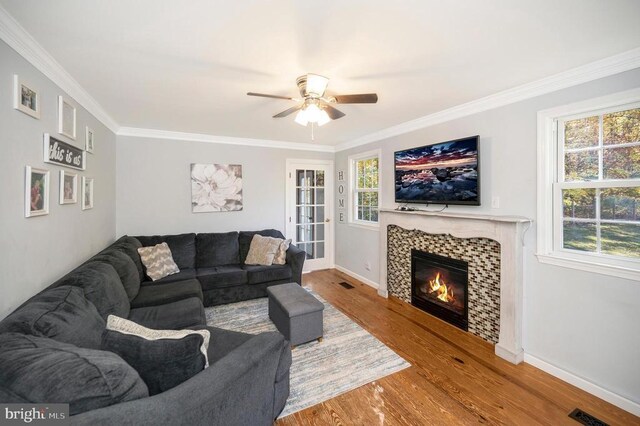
[(508, 231)]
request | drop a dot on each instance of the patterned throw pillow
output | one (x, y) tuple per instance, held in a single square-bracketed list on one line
[(281, 254), (262, 250), (158, 261)]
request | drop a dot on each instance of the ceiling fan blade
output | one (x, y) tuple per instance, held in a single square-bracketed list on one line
[(288, 111), (333, 113), (363, 98), (270, 96)]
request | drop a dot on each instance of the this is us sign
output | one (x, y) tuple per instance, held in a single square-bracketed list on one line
[(62, 153)]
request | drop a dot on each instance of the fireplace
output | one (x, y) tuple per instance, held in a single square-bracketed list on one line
[(439, 287)]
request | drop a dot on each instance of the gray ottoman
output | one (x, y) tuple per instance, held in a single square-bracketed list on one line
[(295, 312)]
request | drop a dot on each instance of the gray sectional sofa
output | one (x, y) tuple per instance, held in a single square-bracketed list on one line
[(50, 346)]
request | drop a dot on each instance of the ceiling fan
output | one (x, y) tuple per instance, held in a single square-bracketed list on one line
[(315, 106)]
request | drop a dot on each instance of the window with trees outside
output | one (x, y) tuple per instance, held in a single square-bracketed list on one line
[(364, 189), (597, 189)]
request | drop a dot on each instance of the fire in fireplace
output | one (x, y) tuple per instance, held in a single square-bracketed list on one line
[(439, 287)]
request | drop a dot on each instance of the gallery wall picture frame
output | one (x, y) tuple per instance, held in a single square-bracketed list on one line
[(68, 187), (87, 193), (26, 97), (89, 140), (64, 154), (36, 192), (66, 118)]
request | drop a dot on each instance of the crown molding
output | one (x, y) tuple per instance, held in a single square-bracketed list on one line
[(199, 137), (12, 33), (612, 65)]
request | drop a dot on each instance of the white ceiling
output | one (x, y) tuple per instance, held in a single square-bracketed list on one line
[(185, 66)]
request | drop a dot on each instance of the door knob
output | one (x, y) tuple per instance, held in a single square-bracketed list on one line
[(327, 220)]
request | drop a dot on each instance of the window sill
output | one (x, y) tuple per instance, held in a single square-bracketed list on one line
[(364, 225), (588, 264)]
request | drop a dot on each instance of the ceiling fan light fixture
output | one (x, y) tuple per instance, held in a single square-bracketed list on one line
[(301, 118), (316, 85), (324, 118)]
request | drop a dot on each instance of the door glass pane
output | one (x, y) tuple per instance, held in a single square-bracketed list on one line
[(319, 250), (310, 178), (620, 239), (579, 236), (299, 177), (310, 251), (320, 178), (305, 233), (319, 232), (319, 196), (304, 196), (320, 214), (581, 133), (305, 214)]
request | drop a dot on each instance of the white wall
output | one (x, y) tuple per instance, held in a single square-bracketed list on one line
[(35, 251), (584, 323), (154, 189)]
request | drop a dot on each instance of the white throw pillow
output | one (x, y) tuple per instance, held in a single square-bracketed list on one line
[(262, 250), (281, 254), (158, 261)]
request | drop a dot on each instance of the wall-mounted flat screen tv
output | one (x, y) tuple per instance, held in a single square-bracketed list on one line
[(443, 173)]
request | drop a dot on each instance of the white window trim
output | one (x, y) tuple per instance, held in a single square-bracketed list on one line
[(374, 226), (547, 169)]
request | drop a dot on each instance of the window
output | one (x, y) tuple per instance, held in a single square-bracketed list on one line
[(364, 192), (589, 211)]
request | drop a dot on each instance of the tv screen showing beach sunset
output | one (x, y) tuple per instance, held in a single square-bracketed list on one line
[(444, 173)]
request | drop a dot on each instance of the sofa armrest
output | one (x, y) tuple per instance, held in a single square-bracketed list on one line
[(295, 259), (236, 390)]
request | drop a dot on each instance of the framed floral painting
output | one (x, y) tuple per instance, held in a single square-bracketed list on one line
[(68, 187), (216, 188), (36, 194)]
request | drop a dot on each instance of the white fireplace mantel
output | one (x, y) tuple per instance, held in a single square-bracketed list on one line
[(507, 230)]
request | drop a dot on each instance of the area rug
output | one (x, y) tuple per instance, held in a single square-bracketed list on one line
[(348, 356)]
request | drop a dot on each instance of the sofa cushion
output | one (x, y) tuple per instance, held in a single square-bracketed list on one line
[(124, 266), (217, 249), (262, 250), (223, 341), (129, 246), (170, 316), (158, 261), (159, 294), (222, 276), (163, 358), (102, 287), (183, 275), (183, 247), (41, 370), (62, 314), (261, 274), (245, 237)]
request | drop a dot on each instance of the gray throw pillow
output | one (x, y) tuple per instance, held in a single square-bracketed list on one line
[(163, 358), (40, 370), (158, 261), (61, 313)]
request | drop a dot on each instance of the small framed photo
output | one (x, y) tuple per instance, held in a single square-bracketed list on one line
[(68, 187), (88, 145), (66, 118), (36, 194), (25, 97), (87, 193)]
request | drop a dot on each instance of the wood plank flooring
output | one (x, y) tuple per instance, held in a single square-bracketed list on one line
[(454, 377)]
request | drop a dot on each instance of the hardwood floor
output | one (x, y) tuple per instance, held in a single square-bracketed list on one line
[(454, 377)]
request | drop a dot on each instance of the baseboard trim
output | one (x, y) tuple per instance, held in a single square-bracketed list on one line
[(585, 385), (357, 276)]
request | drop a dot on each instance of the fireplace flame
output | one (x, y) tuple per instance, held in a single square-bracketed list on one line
[(442, 292)]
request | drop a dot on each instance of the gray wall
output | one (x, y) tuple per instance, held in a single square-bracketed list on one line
[(35, 251), (154, 189), (581, 322)]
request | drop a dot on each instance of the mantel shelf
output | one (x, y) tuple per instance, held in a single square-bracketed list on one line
[(490, 218)]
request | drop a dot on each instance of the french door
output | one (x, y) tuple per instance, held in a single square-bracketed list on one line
[(310, 210)]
